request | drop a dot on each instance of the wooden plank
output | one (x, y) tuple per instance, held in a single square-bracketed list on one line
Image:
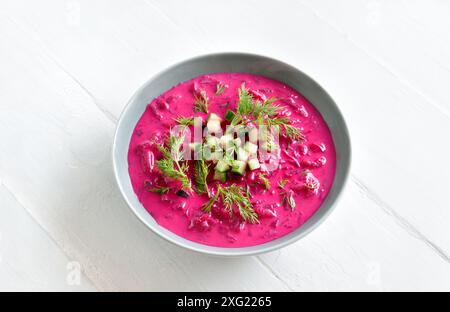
[(390, 230), (361, 248), (29, 259)]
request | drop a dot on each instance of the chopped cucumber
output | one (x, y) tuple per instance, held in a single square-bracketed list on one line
[(237, 142), (213, 116), (253, 164), (214, 126), (225, 140), (220, 176), (238, 166), (222, 166), (217, 155), (251, 148), (212, 141), (212, 152), (229, 115), (242, 154)]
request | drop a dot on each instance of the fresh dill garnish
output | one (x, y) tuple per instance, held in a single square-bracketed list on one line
[(170, 165), (245, 103), (264, 113), (293, 132), (277, 121), (282, 183), (201, 173), (220, 88), (257, 109), (288, 199), (266, 108), (207, 207), (201, 101), (160, 190), (232, 197), (264, 179), (185, 121)]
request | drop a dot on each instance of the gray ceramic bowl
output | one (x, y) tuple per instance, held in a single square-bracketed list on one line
[(231, 62)]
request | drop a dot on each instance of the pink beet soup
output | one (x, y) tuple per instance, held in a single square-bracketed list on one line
[(240, 199)]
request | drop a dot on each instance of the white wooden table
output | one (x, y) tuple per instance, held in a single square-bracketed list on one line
[(68, 67)]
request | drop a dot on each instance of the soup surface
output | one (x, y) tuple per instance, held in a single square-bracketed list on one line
[(231, 159)]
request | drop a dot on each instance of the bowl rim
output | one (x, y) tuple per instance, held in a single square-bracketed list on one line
[(226, 251)]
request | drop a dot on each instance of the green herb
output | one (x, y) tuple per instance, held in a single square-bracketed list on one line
[(201, 101), (160, 190), (266, 108), (185, 121), (245, 103), (293, 132), (170, 165), (263, 113), (277, 121), (207, 207), (232, 197), (264, 179), (220, 88), (201, 173), (290, 131), (282, 183)]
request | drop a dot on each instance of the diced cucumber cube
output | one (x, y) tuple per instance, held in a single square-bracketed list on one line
[(229, 115), (212, 141), (217, 155), (213, 116), (222, 166), (225, 140), (237, 142), (212, 152), (220, 176), (238, 166), (242, 154), (251, 148), (253, 164), (214, 126)]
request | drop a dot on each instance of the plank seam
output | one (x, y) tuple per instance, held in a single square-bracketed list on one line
[(403, 222)]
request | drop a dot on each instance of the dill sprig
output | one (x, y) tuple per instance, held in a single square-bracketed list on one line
[(220, 88), (201, 101), (282, 183), (232, 197), (207, 207), (290, 131), (201, 173), (185, 121), (160, 190), (277, 121), (265, 181), (245, 103), (264, 113), (170, 165), (257, 109), (266, 108), (293, 132)]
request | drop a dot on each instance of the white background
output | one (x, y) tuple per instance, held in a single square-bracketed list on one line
[(68, 67)]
